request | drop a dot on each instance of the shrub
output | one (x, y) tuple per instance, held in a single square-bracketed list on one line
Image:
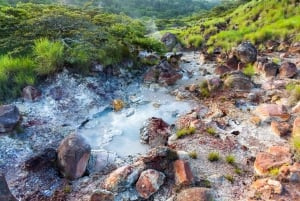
[(15, 73), (195, 40), (249, 70), (213, 156), (211, 131), (185, 131), (204, 89), (230, 159), (48, 56), (193, 154)]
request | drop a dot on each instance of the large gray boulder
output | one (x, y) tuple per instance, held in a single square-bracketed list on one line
[(5, 194), (170, 40), (73, 156), (9, 118), (246, 52)]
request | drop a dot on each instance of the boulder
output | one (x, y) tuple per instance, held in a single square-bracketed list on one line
[(5, 194), (170, 40), (183, 173), (287, 70), (9, 118), (73, 155), (102, 195), (155, 132), (281, 128), (151, 75), (276, 157), (267, 186), (268, 112), (246, 52), (30, 93), (296, 127), (221, 69), (194, 194), (123, 177), (238, 81), (149, 182)]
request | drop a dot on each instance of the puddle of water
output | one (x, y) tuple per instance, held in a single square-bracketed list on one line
[(119, 132)]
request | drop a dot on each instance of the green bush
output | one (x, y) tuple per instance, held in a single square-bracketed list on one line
[(211, 131), (15, 73), (185, 131), (49, 56), (193, 155), (213, 156), (230, 159)]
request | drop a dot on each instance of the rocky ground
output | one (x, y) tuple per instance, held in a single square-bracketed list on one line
[(239, 142)]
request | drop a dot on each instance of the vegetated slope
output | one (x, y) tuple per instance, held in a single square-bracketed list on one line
[(137, 8), (257, 21), (37, 40)]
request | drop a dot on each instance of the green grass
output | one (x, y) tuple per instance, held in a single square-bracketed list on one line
[(185, 131), (274, 171), (238, 171), (213, 156), (249, 70), (295, 142), (230, 159), (15, 73), (211, 131), (229, 177)]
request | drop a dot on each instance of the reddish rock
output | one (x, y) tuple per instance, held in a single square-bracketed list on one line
[(155, 132), (214, 83), (269, 69), (287, 70), (102, 195), (5, 194), (149, 182), (281, 128), (9, 118), (169, 78), (267, 186), (290, 173), (272, 111), (232, 63), (295, 48), (123, 177), (220, 70), (194, 194), (296, 108), (183, 173), (151, 75), (160, 158), (274, 158), (73, 155), (30, 93), (296, 127), (188, 120)]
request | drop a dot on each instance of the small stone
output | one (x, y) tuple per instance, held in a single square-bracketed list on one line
[(117, 105), (194, 194), (30, 93), (183, 173), (281, 128), (267, 186), (149, 182), (102, 195)]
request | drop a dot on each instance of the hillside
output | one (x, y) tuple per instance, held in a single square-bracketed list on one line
[(256, 21)]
